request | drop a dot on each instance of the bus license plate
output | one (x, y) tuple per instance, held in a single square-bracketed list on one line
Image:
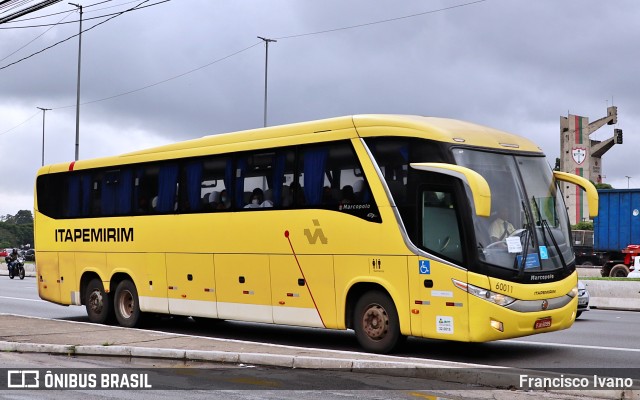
[(542, 323)]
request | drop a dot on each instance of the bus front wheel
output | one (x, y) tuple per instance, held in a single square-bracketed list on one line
[(376, 323), (126, 304), (97, 302)]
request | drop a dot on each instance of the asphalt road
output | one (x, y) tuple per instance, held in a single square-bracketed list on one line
[(599, 339)]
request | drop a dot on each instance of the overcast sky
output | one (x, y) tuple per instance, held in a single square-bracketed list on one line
[(515, 65)]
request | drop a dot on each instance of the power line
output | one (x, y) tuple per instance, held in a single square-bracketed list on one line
[(62, 12), (284, 37), (24, 11), (37, 37), (88, 19), (20, 124), (255, 44), (165, 80), (71, 37), (381, 21)]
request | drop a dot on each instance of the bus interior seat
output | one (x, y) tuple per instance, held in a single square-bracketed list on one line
[(214, 199), (440, 231), (336, 195), (358, 186), (286, 196)]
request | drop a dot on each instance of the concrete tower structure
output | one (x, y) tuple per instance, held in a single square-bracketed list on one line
[(582, 156)]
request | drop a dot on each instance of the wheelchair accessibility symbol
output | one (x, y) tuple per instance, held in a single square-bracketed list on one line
[(425, 267)]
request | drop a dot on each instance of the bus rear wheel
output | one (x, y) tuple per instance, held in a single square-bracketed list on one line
[(127, 305), (376, 323), (97, 302)]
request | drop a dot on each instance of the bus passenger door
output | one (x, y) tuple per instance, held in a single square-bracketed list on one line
[(438, 308), (243, 287), (303, 294), (443, 308), (191, 285)]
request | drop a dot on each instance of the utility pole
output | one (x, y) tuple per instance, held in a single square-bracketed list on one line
[(266, 65), (628, 179), (78, 86), (44, 110)]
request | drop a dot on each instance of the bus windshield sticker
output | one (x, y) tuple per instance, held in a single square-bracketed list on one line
[(424, 267), (533, 261), (513, 244), (544, 254)]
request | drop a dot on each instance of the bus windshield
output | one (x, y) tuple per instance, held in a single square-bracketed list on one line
[(528, 229)]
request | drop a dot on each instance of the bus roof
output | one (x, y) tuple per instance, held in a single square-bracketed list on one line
[(366, 125)]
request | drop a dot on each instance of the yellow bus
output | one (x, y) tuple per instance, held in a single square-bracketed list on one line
[(384, 224)]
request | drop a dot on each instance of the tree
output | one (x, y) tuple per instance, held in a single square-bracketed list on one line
[(23, 217), (16, 230), (603, 186)]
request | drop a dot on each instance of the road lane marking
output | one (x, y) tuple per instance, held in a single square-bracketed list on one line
[(20, 298), (574, 346)]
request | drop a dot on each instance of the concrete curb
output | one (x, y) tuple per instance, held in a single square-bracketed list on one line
[(614, 295), (492, 377)]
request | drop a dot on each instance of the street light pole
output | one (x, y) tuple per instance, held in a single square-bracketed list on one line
[(44, 110), (266, 65), (78, 85), (628, 178)]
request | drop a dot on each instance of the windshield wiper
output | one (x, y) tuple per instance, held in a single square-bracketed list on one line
[(545, 224), (528, 233), (545, 227)]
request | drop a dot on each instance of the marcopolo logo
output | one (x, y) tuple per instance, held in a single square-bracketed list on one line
[(317, 234)]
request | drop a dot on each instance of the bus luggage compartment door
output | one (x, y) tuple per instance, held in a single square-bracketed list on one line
[(48, 276)]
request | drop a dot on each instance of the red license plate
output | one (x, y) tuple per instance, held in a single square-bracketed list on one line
[(542, 323)]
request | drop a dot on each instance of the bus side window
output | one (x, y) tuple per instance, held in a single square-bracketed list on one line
[(217, 177), (440, 232), (255, 180), (117, 195)]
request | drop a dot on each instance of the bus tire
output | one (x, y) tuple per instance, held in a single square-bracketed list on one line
[(127, 305), (619, 271), (98, 303), (376, 323)]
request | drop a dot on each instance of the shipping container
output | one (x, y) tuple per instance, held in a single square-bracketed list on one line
[(616, 226)]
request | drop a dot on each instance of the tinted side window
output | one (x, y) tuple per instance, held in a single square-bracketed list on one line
[(333, 179), (261, 178)]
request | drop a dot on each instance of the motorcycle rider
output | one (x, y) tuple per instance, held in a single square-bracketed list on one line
[(11, 259)]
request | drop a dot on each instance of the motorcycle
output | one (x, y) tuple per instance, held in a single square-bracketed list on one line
[(15, 267)]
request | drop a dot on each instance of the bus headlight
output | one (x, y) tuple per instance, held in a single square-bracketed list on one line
[(497, 298), (574, 292)]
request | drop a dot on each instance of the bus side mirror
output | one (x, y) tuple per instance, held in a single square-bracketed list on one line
[(592, 193), (478, 185)]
